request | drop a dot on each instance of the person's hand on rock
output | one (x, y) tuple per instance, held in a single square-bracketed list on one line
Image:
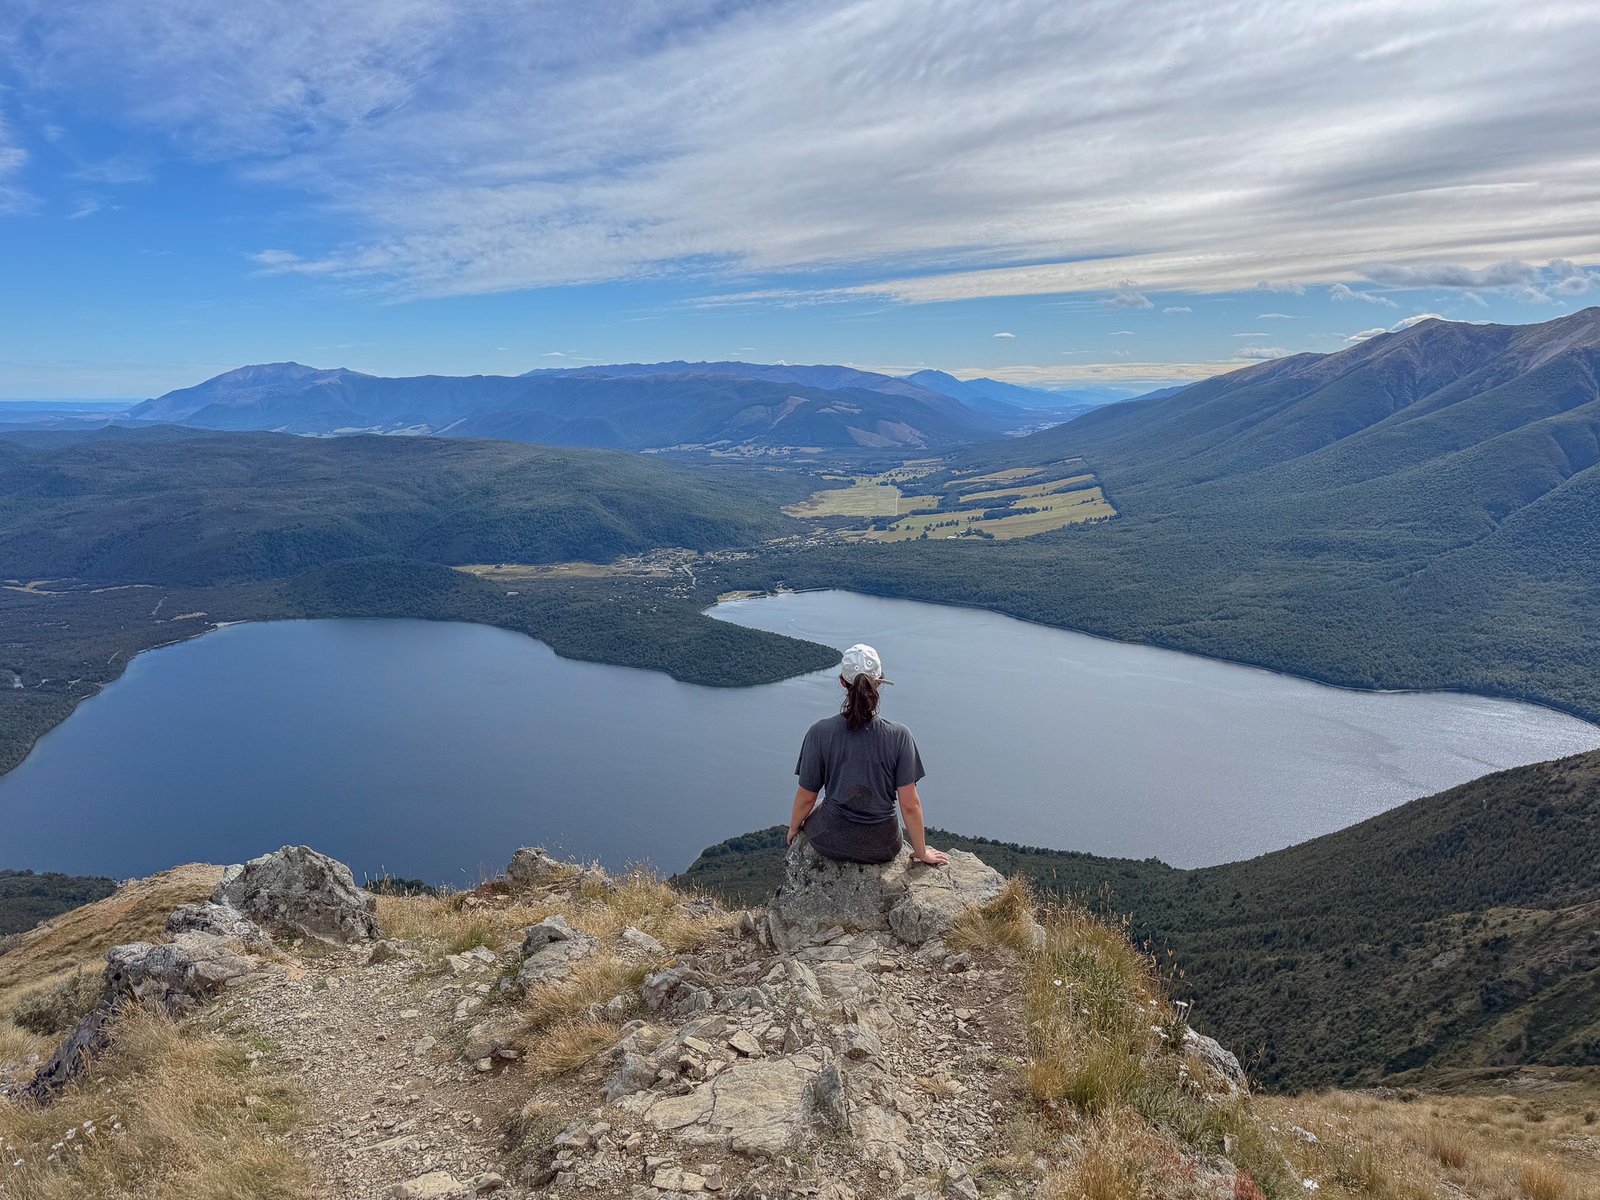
[(934, 858)]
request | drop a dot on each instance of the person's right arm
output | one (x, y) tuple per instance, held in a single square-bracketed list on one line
[(804, 801), (911, 814)]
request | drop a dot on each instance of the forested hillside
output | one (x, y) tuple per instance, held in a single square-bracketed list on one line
[(1420, 511), (1458, 931), (187, 508)]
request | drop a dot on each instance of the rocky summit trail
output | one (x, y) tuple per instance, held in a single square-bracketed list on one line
[(561, 1031)]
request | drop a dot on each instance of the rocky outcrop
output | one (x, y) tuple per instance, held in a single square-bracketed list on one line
[(218, 920), (173, 977), (1219, 1066), (753, 1107), (549, 951), (530, 866), (214, 945), (914, 901), (298, 890)]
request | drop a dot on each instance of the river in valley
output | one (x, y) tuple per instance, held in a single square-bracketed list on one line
[(432, 750)]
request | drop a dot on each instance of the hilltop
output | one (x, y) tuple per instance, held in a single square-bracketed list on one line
[(562, 1031), (1453, 934)]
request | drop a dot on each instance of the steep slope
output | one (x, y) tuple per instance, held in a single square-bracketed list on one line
[(1417, 511), (634, 407), (1453, 932)]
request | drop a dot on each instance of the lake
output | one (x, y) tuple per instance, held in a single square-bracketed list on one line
[(433, 750)]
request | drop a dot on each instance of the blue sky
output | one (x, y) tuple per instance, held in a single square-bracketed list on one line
[(1094, 193)]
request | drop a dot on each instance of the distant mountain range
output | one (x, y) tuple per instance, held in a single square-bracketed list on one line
[(636, 406)]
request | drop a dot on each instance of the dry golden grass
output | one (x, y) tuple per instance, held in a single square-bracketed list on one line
[(453, 923), (581, 994), (566, 1046), (1103, 1069), (941, 1087), (1491, 1145), (77, 941), (195, 1126), (646, 902)]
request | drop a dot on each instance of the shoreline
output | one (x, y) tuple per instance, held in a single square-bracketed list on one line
[(1515, 697)]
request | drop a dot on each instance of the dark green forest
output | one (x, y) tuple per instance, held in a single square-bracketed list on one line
[(27, 898), (1457, 932), (197, 509), (1422, 511)]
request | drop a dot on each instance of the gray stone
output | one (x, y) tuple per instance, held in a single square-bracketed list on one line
[(860, 1043), (635, 1074), (551, 929), (1222, 1068), (390, 950), (759, 1106), (219, 920), (530, 866), (435, 1185), (298, 889), (914, 901), (552, 947), (640, 940), (677, 991), (175, 978), (179, 975), (828, 1099)]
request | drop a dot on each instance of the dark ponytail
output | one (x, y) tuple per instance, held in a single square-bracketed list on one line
[(860, 702)]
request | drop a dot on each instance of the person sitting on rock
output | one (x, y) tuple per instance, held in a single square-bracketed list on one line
[(861, 764)]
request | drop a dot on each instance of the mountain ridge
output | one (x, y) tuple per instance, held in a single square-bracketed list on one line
[(728, 405)]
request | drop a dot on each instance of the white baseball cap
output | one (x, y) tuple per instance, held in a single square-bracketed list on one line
[(862, 659)]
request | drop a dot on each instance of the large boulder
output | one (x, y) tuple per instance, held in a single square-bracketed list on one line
[(530, 866), (300, 890), (550, 949), (912, 900), (1220, 1067), (174, 977), (765, 1106), (218, 920)]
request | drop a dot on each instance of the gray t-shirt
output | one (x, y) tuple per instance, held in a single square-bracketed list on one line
[(858, 773)]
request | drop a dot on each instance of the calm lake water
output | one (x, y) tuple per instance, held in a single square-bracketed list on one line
[(434, 749)]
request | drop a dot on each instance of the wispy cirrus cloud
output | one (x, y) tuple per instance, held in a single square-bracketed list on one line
[(12, 159), (1342, 293), (928, 150), (1364, 335)]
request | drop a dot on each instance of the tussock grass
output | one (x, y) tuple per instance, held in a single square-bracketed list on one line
[(195, 1126), (1008, 920), (1104, 1067), (51, 1011), (569, 1045), (451, 923), (580, 995), (1117, 1158), (455, 922), (1490, 1145), (645, 901)]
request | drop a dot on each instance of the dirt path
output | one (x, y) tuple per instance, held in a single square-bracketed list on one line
[(373, 1050)]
